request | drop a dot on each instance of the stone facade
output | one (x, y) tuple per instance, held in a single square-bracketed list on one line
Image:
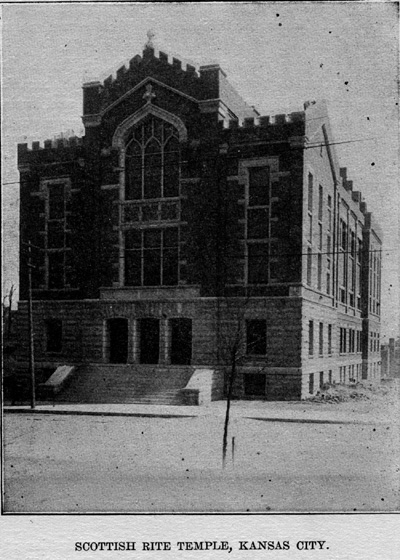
[(186, 229)]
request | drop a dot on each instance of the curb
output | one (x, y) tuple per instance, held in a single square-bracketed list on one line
[(10, 410), (93, 413)]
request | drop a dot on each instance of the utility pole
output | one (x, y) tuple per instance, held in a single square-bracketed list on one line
[(30, 319)]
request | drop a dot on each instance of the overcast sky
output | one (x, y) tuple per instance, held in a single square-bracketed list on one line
[(277, 55)]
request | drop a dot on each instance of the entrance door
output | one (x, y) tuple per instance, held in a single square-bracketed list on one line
[(149, 341), (118, 336), (181, 341)]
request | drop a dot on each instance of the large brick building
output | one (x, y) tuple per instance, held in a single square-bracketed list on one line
[(184, 229)]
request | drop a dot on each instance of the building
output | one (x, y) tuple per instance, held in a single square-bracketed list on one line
[(390, 358), (184, 225)]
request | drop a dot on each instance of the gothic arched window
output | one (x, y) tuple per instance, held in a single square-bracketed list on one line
[(151, 216), (152, 159)]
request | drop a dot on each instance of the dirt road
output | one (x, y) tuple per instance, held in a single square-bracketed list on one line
[(117, 464)]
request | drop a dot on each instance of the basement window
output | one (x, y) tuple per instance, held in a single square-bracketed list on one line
[(54, 335), (311, 383)]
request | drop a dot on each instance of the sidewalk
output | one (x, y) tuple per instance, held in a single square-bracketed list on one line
[(269, 411)]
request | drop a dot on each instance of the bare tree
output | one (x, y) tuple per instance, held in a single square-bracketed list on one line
[(7, 311), (214, 251), (234, 349)]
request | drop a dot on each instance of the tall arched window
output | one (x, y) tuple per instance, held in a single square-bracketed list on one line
[(152, 160), (151, 211)]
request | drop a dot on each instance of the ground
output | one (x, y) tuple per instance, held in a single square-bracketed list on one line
[(297, 457)]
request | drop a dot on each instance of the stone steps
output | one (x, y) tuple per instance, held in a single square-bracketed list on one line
[(126, 384)]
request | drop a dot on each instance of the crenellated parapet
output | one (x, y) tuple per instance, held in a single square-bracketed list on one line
[(52, 144), (179, 64), (56, 149), (355, 196), (206, 85), (274, 128), (176, 73), (265, 121)]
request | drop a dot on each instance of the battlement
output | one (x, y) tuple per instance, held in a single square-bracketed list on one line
[(55, 143), (264, 121), (372, 225), (177, 63), (356, 196)]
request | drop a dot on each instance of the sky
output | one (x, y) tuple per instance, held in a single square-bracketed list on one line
[(277, 56)]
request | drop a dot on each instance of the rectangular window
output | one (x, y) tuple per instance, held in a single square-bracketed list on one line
[(309, 266), (152, 257), (257, 223), (344, 270), (256, 337), (54, 335), (258, 186), (320, 202), (254, 384), (329, 339), (311, 338), (320, 237), (310, 228), (311, 383), (359, 251), (56, 201), (321, 339), (343, 239), (310, 192), (321, 379), (170, 257), (328, 282), (319, 272), (352, 244), (56, 270), (57, 234), (258, 259), (351, 340), (342, 341), (330, 377), (329, 213)]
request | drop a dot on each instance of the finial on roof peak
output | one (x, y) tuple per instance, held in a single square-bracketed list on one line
[(150, 39)]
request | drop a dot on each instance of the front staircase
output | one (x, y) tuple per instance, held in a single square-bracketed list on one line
[(124, 384)]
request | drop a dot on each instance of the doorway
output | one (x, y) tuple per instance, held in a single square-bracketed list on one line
[(118, 337), (149, 341), (181, 341)]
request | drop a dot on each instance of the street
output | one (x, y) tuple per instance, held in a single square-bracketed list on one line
[(56, 463)]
